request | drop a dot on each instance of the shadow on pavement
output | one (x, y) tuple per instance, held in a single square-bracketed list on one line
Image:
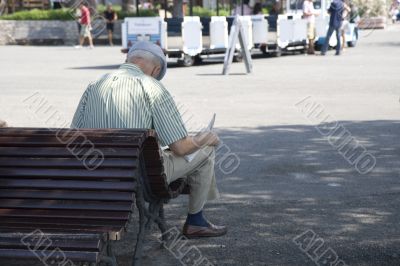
[(105, 67), (291, 180)]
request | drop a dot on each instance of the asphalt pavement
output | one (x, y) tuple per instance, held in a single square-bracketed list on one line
[(293, 183)]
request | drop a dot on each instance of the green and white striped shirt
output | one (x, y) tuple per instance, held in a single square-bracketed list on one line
[(127, 98)]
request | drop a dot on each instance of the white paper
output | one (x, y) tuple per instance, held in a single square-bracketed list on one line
[(210, 126)]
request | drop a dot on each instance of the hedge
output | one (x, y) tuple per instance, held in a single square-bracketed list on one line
[(67, 14)]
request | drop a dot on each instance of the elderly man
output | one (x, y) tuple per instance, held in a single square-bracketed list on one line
[(133, 97)]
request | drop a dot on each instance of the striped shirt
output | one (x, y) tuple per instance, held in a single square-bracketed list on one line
[(127, 98)]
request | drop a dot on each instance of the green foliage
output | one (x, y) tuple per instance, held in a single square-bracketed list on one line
[(204, 12), (371, 8), (36, 14), (142, 13), (122, 14), (68, 14)]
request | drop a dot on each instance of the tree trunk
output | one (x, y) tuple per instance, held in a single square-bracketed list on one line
[(177, 11)]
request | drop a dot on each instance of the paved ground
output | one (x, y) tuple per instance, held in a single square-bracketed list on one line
[(290, 178)]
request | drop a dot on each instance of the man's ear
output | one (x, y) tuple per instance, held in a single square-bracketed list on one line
[(156, 72)]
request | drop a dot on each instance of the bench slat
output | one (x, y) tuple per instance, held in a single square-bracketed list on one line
[(71, 227), (67, 173), (64, 205), (62, 214), (53, 140), (60, 235), (82, 222), (72, 255), (63, 244), (62, 163), (63, 132), (66, 195), (65, 152), (67, 184)]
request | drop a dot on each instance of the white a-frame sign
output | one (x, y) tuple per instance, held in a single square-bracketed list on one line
[(237, 32)]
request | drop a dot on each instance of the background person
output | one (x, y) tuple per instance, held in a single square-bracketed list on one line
[(394, 11), (345, 25), (111, 17), (335, 22), (85, 23), (247, 10), (257, 9), (309, 14), (133, 97), (57, 4), (354, 17)]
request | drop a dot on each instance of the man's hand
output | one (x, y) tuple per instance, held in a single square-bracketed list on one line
[(208, 138), (189, 145)]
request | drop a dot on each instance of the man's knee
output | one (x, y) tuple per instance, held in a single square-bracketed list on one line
[(209, 153)]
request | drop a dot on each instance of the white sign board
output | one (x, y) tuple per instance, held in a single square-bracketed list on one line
[(192, 36), (291, 28), (260, 29), (300, 30), (164, 35), (321, 26), (218, 32), (123, 35), (143, 25), (143, 29)]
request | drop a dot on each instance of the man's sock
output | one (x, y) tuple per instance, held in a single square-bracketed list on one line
[(196, 219)]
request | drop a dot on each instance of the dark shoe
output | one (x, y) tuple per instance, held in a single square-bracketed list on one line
[(323, 54), (192, 231), (337, 53)]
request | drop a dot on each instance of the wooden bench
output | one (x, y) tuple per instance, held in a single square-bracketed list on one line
[(76, 189)]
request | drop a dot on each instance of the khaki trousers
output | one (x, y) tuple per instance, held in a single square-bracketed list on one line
[(200, 176)]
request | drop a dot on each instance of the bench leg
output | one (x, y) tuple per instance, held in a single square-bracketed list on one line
[(140, 236), (155, 213), (111, 255), (149, 215), (110, 259), (161, 220)]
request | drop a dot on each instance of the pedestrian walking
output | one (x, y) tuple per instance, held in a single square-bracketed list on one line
[(85, 23), (335, 22)]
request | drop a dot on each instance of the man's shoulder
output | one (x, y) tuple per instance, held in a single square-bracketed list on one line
[(154, 88)]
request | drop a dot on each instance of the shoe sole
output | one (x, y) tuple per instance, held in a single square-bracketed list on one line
[(205, 235)]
